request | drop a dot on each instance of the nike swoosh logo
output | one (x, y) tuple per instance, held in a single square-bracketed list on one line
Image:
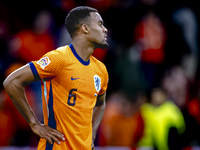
[(74, 78)]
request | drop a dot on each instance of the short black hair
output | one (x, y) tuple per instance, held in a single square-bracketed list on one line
[(76, 17)]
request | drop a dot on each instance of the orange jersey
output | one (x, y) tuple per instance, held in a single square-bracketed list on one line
[(70, 87)]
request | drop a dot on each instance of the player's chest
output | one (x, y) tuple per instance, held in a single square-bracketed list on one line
[(84, 78)]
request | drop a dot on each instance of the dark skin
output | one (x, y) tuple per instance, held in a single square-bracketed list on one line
[(85, 41), (14, 86), (98, 113)]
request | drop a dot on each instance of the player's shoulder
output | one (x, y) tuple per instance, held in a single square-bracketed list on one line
[(99, 64), (58, 53), (61, 48), (57, 56)]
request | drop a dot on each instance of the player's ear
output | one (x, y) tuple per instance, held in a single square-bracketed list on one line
[(85, 28)]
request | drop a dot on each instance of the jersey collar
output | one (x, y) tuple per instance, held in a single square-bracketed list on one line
[(86, 63)]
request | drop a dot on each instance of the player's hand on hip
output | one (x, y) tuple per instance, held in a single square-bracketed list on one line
[(47, 133)]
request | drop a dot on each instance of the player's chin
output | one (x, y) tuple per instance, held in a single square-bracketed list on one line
[(102, 45)]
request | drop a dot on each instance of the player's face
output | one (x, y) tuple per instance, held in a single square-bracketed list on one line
[(98, 33)]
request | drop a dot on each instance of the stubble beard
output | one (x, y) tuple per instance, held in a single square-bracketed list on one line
[(101, 46)]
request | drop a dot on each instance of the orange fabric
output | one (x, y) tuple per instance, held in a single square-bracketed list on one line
[(72, 108)]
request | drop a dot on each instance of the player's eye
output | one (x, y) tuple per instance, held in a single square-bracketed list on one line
[(100, 23)]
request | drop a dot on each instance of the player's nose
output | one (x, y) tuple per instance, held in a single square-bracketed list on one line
[(105, 30)]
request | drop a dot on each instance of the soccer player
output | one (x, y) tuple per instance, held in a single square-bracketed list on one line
[(74, 86)]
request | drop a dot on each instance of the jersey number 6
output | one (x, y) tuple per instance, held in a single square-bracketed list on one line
[(71, 96)]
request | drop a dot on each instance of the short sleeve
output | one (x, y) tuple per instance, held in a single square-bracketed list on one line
[(105, 83), (48, 66)]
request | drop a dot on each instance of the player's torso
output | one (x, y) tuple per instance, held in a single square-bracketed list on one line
[(78, 84), (75, 91)]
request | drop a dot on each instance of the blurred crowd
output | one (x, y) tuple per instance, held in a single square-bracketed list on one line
[(153, 96)]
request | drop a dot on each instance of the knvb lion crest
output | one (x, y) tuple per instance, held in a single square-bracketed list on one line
[(43, 62), (97, 83)]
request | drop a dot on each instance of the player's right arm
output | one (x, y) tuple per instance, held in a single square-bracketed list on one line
[(14, 86)]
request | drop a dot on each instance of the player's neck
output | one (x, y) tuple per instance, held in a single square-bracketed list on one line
[(83, 49)]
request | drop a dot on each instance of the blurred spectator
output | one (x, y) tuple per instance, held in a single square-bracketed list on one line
[(159, 117), (63, 37), (122, 124), (100, 54), (176, 85), (194, 107), (186, 19), (29, 45), (102, 5), (150, 34), (68, 4), (129, 73), (191, 114), (150, 40)]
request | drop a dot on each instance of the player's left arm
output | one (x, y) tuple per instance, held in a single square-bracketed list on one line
[(98, 112)]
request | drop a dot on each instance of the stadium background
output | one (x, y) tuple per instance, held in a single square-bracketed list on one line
[(154, 47)]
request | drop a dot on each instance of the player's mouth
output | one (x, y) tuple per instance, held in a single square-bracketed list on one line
[(105, 37)]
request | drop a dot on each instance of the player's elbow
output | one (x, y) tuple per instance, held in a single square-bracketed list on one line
[(6, 85), (9, 85)]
